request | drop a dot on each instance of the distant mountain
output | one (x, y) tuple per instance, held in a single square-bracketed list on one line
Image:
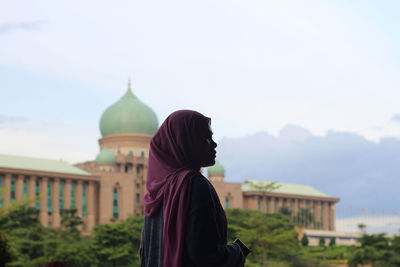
[(342, 164)]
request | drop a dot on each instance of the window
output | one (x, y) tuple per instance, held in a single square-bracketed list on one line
[(25, 190), (137, 198), (72, 195), (37, 193), (49, 207), (227, 202), (137, 186), (61, 197), (84, 200), (12, 189), (275, 204), (258, 204), (137, 170), (130, 153), (115, 203), (142, 154), (266, 205), (126, 168)]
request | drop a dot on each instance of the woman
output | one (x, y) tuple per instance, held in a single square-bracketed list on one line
[(185, 224)]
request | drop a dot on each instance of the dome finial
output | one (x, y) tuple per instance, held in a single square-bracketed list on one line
[(129, 83)]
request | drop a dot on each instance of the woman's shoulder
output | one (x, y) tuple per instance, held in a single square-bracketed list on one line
[(199, 181)]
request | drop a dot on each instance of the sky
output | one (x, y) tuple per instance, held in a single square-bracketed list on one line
[(252, 66)]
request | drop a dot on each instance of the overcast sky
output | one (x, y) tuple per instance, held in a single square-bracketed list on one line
[(250, 65)]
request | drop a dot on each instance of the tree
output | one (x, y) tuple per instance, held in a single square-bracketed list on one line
[(275, 236), (332, 242), (70, 221), (5, 251), (362, 227), (117, 244), (304, 240), (304, 217), (322, 241)]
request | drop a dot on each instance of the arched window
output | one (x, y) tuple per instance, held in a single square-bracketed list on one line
[(49, 207), (115, 203), (84, 200), (12, 189), (227, 204)]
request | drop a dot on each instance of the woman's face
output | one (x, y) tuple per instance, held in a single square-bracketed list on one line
[(205, 148)]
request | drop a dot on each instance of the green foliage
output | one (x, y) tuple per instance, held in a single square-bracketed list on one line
[(271, 237), (332, 242), (376, 249), (5, 251), (322, 241), (304, 240), (117, 244)]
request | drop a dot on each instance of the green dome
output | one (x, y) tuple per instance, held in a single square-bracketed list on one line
[(128, 115), (217, 169), (105, 156)]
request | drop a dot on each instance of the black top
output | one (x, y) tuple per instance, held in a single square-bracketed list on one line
[(204, 245)]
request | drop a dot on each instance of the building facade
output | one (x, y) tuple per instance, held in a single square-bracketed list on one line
[(113, 185)]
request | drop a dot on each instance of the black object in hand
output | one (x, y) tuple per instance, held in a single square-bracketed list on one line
[(243, 247)]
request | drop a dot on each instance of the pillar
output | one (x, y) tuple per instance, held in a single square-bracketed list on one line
[(19, 187), (325, 215), (318, 214), (294, 208), (78, 198), (7, 190), (55, 199), (332, 217), (31, 189), (67, 194), (43, 202), (90, 205)]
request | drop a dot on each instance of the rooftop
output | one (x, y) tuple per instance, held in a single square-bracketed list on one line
[(36, 164), (284, 188)]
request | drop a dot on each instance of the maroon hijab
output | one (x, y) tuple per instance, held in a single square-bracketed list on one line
[(172, 166)]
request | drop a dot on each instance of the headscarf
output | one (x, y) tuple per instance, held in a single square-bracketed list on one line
[(172, 166)]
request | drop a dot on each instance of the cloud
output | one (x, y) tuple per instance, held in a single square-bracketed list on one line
[(6, 119), (360, 172), (396, 118), (31, 25)]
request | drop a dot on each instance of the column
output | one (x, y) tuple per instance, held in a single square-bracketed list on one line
[(325, 215), (55, 199), (67, 194), (31, 190), (270, 205), (7, 190), (78, 198), (294, 208), (90, 204), (43, 202), (19, 187), (318, 214), (332, 211)]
